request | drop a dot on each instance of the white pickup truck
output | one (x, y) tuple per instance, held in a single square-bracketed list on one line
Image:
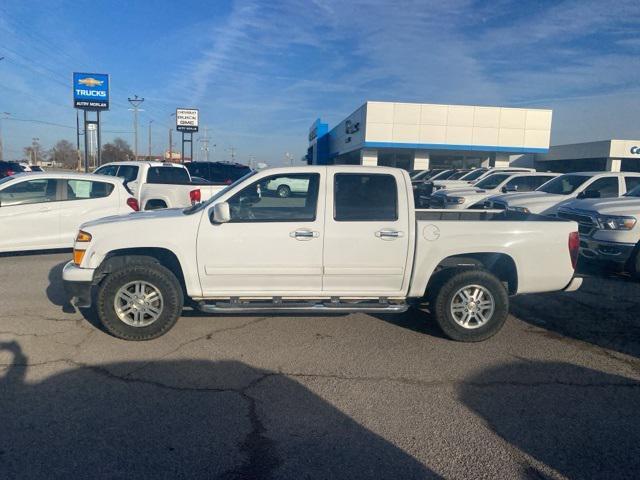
[(351, 243), (609, 230), (160, 184), (548, 198)]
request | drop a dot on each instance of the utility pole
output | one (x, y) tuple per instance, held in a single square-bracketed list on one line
[(135, 103), (289, 158), (34, 153), (5, 115), (150, 122), (232, 150)]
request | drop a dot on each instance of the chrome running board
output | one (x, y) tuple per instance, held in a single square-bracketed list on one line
[(284, 306)]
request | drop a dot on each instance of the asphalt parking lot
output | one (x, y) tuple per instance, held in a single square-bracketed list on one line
[(554, 395)]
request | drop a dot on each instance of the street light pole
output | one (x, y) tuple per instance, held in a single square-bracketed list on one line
[(171, 137), (135, 103)]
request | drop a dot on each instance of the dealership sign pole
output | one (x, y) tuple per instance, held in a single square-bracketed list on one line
[(187, 122), (91, 94)]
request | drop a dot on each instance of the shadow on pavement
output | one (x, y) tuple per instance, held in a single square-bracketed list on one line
[(55, 290), (414, 319), (604, 312), (579, 422), (181, 419)]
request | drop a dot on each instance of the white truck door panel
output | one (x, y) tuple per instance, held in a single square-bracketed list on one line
[(271, 246), (367, 234)]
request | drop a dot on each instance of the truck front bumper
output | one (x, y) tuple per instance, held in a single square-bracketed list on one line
[(608, 252), (78, 283)]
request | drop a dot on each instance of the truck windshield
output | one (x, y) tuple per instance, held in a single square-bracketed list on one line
[(564, 184), (473, 174), (200, 206), (419, 175), (492, 181), (456, 176)]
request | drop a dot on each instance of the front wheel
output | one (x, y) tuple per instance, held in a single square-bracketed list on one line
[(140, 301), (470, 306)]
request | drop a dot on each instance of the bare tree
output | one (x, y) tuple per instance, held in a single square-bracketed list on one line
[(117, 151), (34, 153), (64, 153)]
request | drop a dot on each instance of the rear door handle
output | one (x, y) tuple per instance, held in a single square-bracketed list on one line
[(304, 234), (388, 234)]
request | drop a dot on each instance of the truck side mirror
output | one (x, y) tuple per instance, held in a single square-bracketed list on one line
[(221, 213), (509, 188)]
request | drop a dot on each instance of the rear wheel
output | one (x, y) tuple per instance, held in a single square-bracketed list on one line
[(141, 301), (283, 191), (470, 306)]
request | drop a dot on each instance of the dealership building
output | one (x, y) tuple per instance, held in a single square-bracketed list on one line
[(608, 155), (418, 136)]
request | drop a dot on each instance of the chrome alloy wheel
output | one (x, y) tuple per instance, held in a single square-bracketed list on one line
[(472, 306), (138, 303)]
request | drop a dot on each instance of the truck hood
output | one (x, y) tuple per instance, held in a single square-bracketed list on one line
[(609, 206), (136, 217), (462, 191), (451, 183), (536, 202)]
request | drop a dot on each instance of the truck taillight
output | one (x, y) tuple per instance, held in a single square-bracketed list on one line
[(195, 196), (574, 248), (133, 203), (10, 173)]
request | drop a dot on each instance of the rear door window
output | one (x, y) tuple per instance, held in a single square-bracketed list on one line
[(631, 182), (365, 197), (607, 187), (128, 172), (169, 175), (85, 189)]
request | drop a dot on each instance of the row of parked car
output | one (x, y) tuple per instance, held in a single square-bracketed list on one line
[(42, 210), (606, 205)]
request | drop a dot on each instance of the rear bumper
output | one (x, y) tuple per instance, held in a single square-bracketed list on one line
[(78, 283), (574, 284)]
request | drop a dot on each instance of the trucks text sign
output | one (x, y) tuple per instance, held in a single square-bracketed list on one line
[(91, 91), (187, 119)]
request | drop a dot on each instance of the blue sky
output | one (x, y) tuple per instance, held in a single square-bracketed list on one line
[(261, 72)]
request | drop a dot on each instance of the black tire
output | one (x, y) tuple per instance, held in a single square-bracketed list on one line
[(635, 264), (441, 301), (283, 191), (153, 273)]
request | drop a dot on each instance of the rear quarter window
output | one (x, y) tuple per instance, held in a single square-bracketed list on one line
[(365, 197)]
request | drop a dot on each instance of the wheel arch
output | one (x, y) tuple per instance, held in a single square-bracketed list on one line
[(125, 256), (501, 265)]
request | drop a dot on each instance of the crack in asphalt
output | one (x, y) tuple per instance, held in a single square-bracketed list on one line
[(206, 336)]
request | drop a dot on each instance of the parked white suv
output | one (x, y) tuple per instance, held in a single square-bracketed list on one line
[(474, 196), (160, 184), (44, 210), (563, 189), (610, 228), (476, 175)]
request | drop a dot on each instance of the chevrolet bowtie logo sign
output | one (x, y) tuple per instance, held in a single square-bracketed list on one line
[(635, 150), (90, 82), (350, 127)]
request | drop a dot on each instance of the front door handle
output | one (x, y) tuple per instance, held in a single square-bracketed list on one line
[(388, 234), (304, 234)]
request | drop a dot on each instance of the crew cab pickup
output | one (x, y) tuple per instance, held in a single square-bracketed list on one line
[(160, 184), (352, 242), (474, 196), (609, 230)]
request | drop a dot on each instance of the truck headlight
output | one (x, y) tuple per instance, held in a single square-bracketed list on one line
[(456, 200), (518, 209), (616, 222)]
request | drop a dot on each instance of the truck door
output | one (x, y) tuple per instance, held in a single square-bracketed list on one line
[(273, 244), (367, 234)]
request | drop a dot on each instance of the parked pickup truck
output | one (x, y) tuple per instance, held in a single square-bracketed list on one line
[(609, 230), (547, 199), (351, 243), (474, 196), (160, 184)]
